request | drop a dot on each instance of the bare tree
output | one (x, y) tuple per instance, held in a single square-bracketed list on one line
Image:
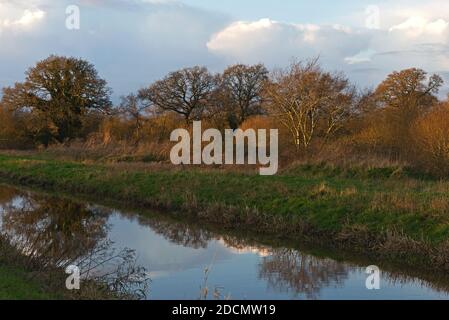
[(302, 274), (185, 92), (133, 107), (241, 87), (309, 101)]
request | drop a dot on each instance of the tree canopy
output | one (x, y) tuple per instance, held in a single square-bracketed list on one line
[(185, 92), (59, 93)]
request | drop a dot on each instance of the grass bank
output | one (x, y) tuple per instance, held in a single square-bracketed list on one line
[(22, 278), (15, 283), (375, 211)]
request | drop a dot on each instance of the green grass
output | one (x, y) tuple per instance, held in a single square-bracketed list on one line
[(16, 284), (372, 207), (22, 280)]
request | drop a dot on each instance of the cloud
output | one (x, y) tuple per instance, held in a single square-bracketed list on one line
[(134, 42), (361, 57), (131, 42), (29, 17), (272, 42), (14, 16), (417, 26), (248, 39), (417, 37)]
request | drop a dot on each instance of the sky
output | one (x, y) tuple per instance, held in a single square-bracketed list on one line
[(135, 42)]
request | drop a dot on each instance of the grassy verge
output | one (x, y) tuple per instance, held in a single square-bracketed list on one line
[(22, 278), (16, 283), (379, 211)]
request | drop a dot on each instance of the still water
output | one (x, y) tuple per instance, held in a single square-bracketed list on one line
[(183, 259)]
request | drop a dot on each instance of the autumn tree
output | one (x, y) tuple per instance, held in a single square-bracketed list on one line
[(409, 89), (133, 107), (404, 96), (431, 137), (185, 92), (58, 93), (309, 102), (241, 92), (12, 133)]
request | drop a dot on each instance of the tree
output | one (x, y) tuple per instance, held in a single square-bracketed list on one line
[(408, 89), (185, 92), (133, 108), (58, 93), (241, 89), (404, 96), (12, 134), (309, 102)]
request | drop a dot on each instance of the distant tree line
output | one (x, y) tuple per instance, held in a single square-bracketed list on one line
[(63, 99)]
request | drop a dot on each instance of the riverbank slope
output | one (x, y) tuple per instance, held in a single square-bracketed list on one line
[(382, 212)]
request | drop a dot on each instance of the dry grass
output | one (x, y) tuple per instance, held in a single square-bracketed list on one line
[(385, 201), (322, 190), (440, 204)]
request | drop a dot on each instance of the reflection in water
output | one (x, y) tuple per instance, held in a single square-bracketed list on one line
[(53, 231), (7, 194), (285, 270), (59, 231), (176, 232), (291, 270)]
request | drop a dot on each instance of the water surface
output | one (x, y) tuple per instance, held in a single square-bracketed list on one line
[(182, 259)]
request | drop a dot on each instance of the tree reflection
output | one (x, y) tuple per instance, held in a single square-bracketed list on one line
[(53, 230), (179, 233), (289, 270), (6, 195)]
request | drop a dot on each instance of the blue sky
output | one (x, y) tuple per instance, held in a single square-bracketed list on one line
[(134, 42)]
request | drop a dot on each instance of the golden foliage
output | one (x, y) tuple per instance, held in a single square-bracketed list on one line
[(431, 135)]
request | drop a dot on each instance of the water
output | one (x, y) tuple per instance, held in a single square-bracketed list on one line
[(176, 254)]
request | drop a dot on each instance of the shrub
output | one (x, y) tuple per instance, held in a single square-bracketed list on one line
[(431, 135)]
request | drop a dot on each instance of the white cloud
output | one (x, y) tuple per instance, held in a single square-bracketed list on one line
[(273, 42), (16, 14), (417, 26), (29, 17), (158, 36), (437, 27), (403, 42), (361, 57), (131, 42), (241, 37)]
